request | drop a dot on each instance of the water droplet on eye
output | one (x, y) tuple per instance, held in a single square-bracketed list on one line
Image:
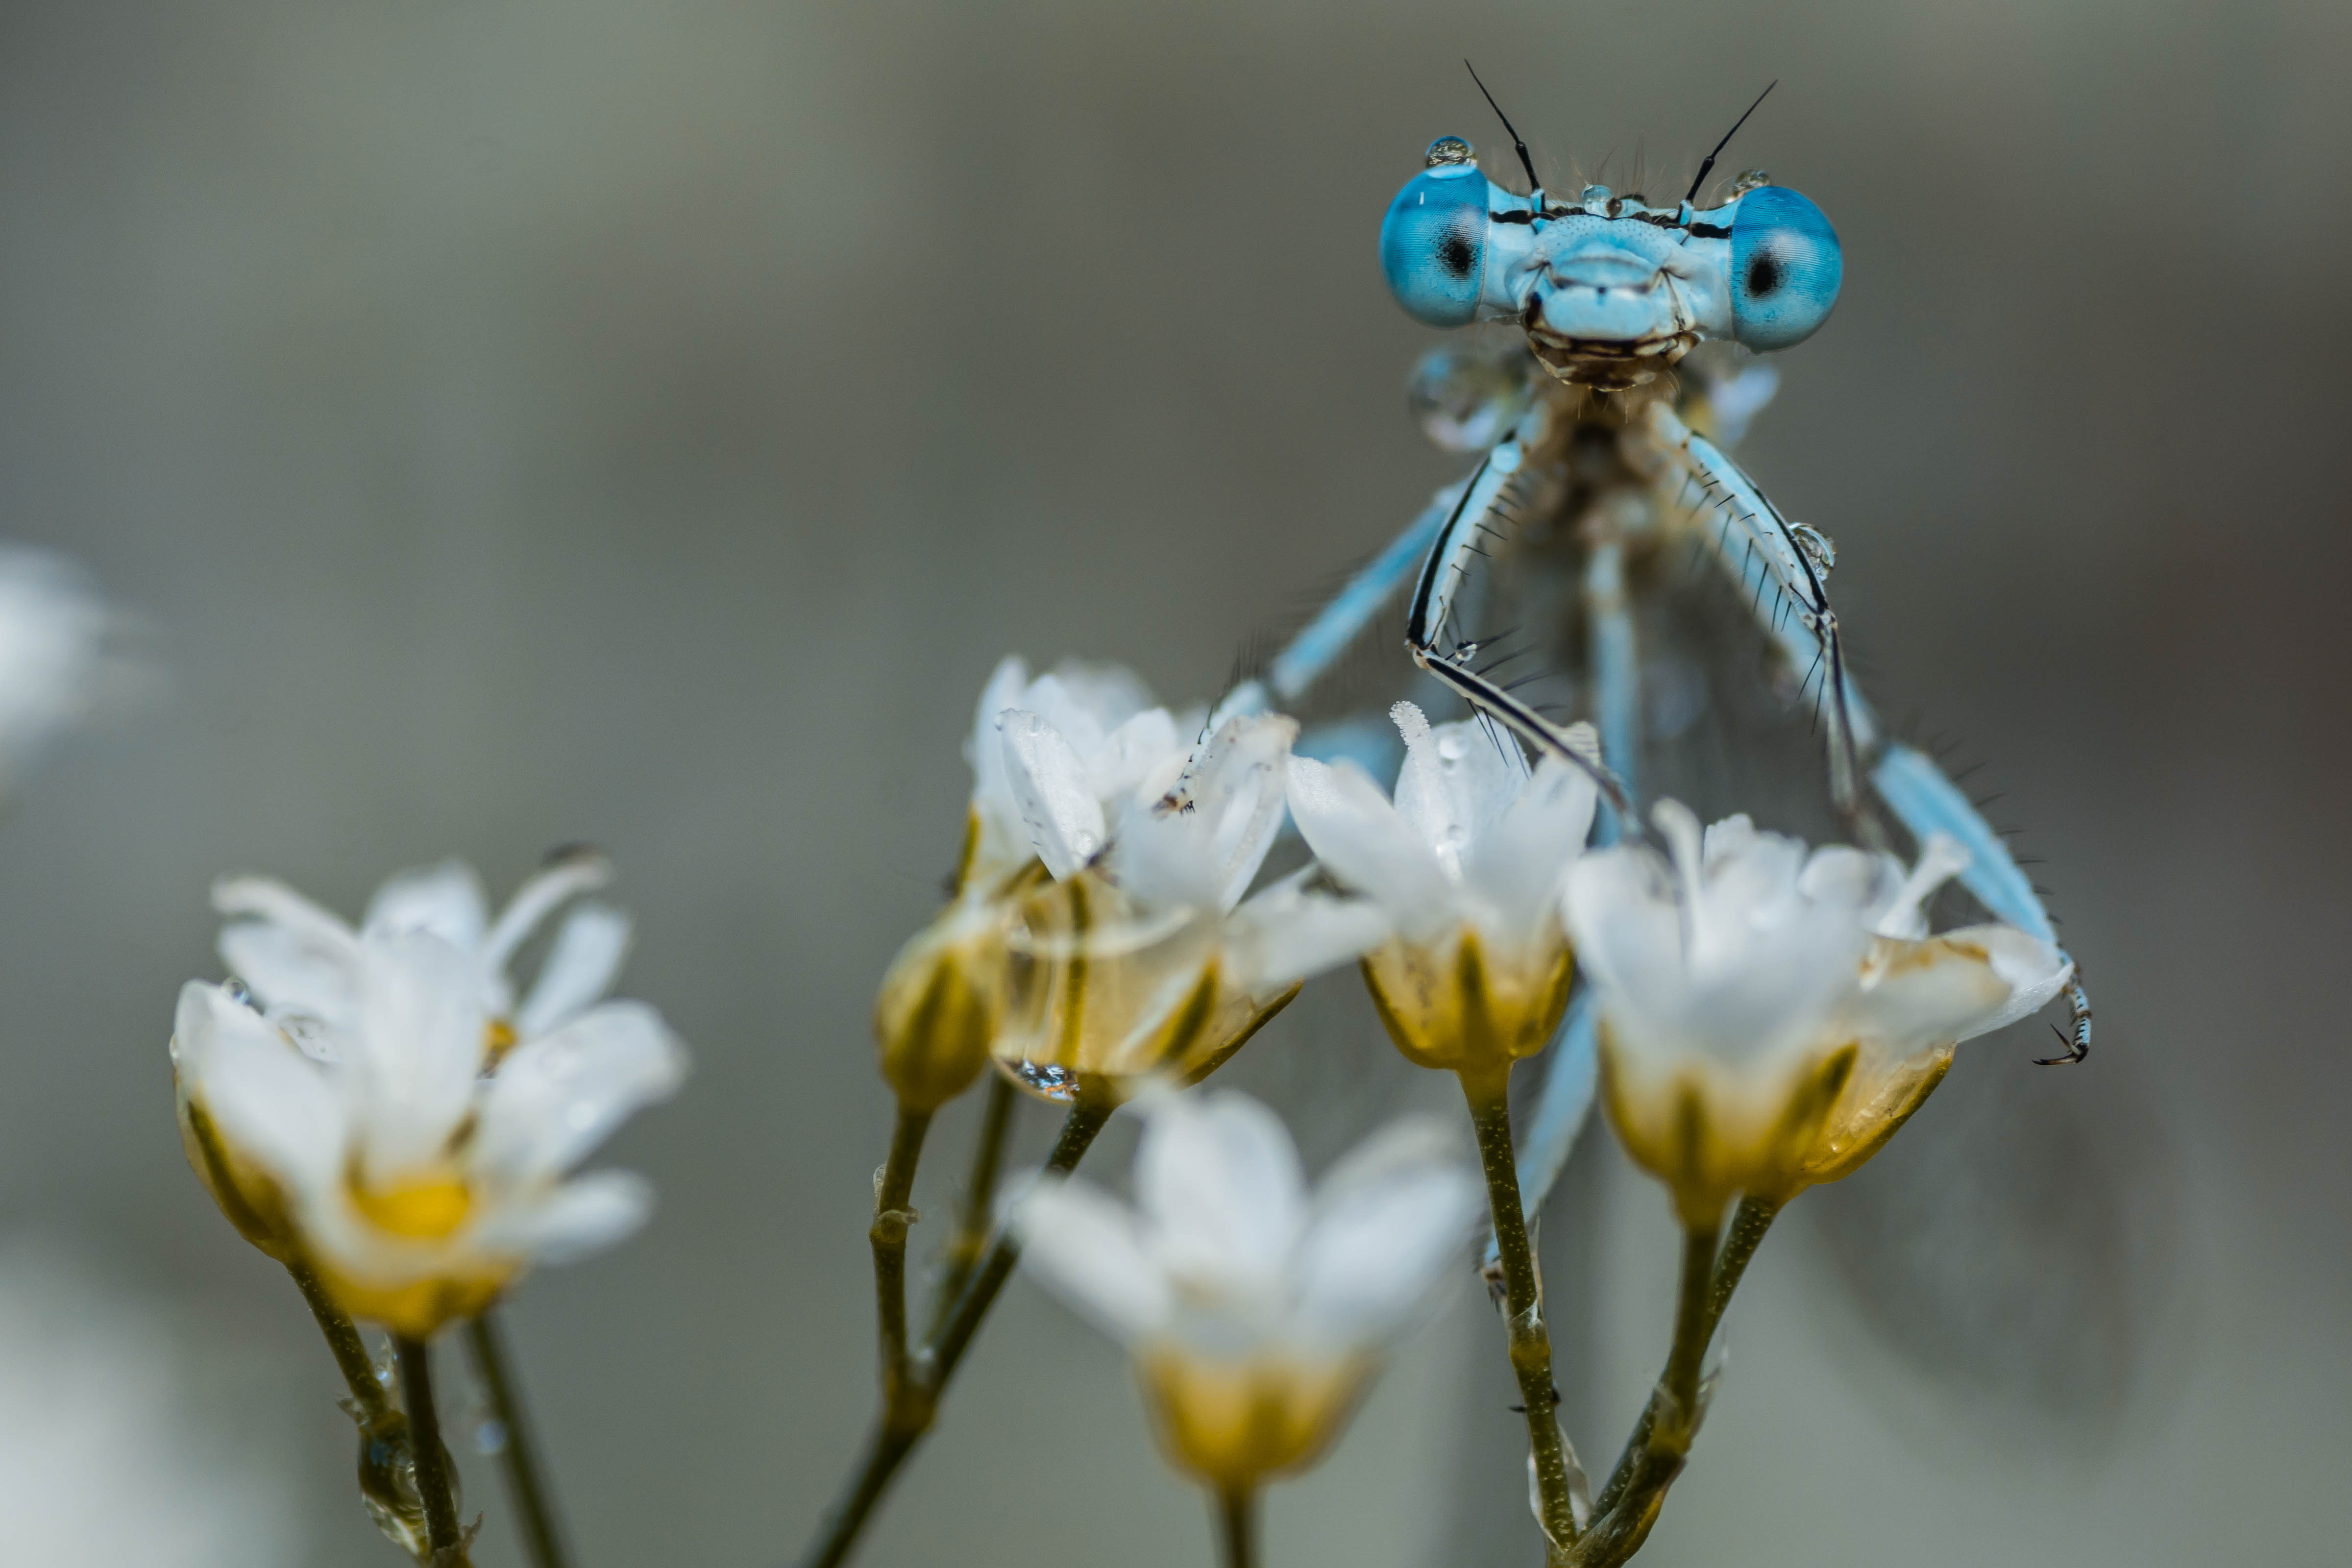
[(1045, 1078), (237, 991)]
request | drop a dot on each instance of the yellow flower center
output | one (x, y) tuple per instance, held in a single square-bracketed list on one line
[(497, 1039), (424, 1210)]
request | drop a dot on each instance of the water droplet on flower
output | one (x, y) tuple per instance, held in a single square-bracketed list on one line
[(1044, 1078), (237, 991), (1449, 748), (311, 1036)]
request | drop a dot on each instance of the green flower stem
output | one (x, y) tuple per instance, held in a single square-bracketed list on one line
[(905, 1420), (973, 1219), (1748, 1222), (519, 1455), (442, 1535), (1530, 1339), (892, 1216), (1629, 1505), (1237, 1525), (351, 1352)]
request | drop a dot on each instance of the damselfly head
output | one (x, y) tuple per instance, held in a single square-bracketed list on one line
[(1609, 290)]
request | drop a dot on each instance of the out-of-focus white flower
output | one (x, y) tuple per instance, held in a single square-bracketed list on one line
[(1141, 957), (103, 1458), (392, 1114), (1770, 1017), (1467, 865), (57, 652), (1256, 1317)]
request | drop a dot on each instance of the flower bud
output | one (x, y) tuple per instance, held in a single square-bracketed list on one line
[(940, 1006)]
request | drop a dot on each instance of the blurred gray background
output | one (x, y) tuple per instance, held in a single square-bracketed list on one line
[(522, 421)]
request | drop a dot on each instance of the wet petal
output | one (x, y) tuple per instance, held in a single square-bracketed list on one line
[(1456, 780), (1048, 784), (1366, 845), (417, 1044), (555, 1098), (270, 1103)]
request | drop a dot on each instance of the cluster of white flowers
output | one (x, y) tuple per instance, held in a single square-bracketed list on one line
[(382, 1108)]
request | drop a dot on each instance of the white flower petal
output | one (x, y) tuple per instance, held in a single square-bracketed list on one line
[(1389, 1221), (270, 1102), (589, 950), (1518, 867), (1048, 784), (578, 872), (576, 1220), (1204, 844), (1133, 754), (1218, 1182), (418, 1044), (555, 1098), (2034, 971), (1285, 934), (1083, 1245), (289, 970), (1366, 845), (269, 900), (1455, 781), (446, 900)]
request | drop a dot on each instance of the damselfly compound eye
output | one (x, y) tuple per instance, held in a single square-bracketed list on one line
[(1786, 266), (1434, 241)]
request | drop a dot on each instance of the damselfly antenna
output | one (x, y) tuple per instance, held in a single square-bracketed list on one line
[(1692, 194), (1533, 184)]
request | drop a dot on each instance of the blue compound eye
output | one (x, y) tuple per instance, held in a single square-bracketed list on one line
[(1434, 241), (1786, 266)]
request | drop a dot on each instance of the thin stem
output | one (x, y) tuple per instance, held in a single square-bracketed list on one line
[(904, 1421), (889, 1235), (518, 1455), (974, 1218), (1237, 1525), (1753, 1218), (1629, 1503), (351, 1352), (1530, 1339), (432, 1460)]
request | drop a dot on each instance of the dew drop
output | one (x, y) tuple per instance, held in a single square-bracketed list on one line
[(1044, 1078), (237, 991)]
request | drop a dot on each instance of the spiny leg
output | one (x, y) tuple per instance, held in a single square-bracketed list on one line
[(1778, 566), (1441, 576), (1925, 801)]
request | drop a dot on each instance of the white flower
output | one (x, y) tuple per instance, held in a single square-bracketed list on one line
[(106, 1455), (1256, 1316), (393, 1115), (1101, 715), (1770, 1017), (1467, 865), (1140, 957), (56, 652)]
